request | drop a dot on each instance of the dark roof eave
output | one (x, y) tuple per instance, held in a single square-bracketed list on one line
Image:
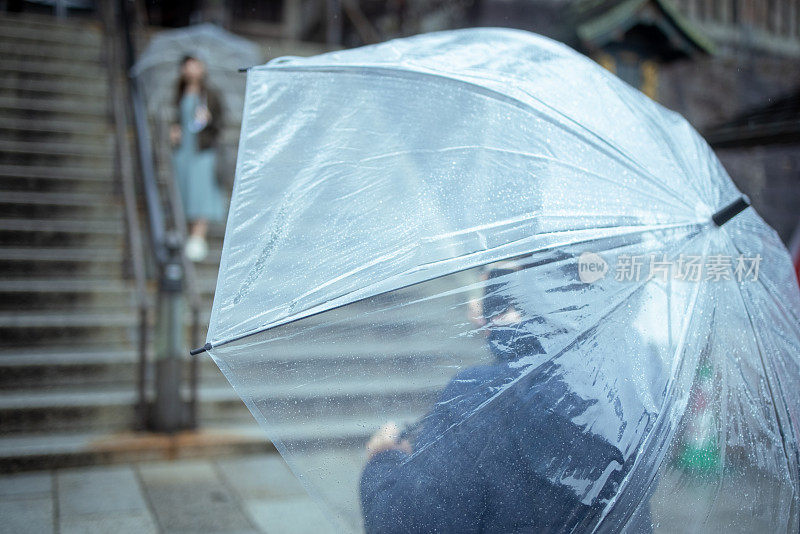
[(597, 29), (689, 31)]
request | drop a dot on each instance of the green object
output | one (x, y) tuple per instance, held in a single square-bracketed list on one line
[(700, 448), (704, 458)]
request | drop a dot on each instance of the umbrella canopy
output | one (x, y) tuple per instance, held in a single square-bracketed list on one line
[(548, 277), (223, 53)]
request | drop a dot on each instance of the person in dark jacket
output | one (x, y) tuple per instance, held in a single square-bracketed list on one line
[(486, 455)]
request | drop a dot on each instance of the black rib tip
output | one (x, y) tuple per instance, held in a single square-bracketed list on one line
[(731, 210), (201, 350)]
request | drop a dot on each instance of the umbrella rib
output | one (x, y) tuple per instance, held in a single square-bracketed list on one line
[(660, 420), (767, 377), (646, 113), (771, 388), (518, 153), (582, 335), (599, 142), (299, 316)]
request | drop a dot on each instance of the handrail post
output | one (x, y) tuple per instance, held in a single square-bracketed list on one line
[(169, 414)]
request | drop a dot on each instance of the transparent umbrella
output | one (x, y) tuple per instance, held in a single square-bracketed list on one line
[(545, 280), (224, 53)]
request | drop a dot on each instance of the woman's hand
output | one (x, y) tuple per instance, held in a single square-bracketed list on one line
[(387, 438), (175, 135)]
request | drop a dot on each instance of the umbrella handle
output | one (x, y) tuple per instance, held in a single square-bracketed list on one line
[(731, 210)]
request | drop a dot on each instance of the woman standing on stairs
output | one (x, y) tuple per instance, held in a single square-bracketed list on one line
[(195, 137)]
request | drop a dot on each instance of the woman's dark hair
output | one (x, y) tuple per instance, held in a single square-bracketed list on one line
[(180, 88)]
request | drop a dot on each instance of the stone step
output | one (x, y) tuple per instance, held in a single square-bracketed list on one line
[(62, 261), (380, 316), (89, 177), (54, 130), (209, 266), (109, 331), (104, 233), (84, 43), (74, 200), (20, 85), (51, 172), (67, 327), (61, 205), (87, 149), (126, 336), (48, 52), (57, 411), (74, 356), (395, 325), (96, 212), (46, 293), (59, 167), (62, 255), (105, 162), (99, 408), (92, 112), (79, 366), (64, 285), (38, 69), (66, 319), (88, 365), (342, 397), (48, 26), (77, 226), (45, 324), (65, 183), (54, 450), (71, 449)]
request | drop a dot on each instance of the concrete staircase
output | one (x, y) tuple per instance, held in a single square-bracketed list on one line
[(68, 320), (67, 323)]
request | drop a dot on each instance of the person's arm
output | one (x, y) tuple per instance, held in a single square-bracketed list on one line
[(175, 134), (173, 118), (217, 119), (436, 491), (441, 487)]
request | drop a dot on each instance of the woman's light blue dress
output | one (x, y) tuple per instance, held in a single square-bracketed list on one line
[(195, 170)]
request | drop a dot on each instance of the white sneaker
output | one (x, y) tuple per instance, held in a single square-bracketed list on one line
[(196, 248)]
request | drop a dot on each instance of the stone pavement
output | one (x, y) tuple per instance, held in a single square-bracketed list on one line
[(248, 494), (258, 494)]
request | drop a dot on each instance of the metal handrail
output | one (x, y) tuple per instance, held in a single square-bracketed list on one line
[(162, 238), (191, 289), (144, 144), (124, 172)]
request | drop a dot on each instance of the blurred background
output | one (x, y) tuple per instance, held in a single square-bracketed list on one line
[(99, 305)]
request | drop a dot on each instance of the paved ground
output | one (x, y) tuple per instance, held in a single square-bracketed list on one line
[(258, 494), (244, 495)]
